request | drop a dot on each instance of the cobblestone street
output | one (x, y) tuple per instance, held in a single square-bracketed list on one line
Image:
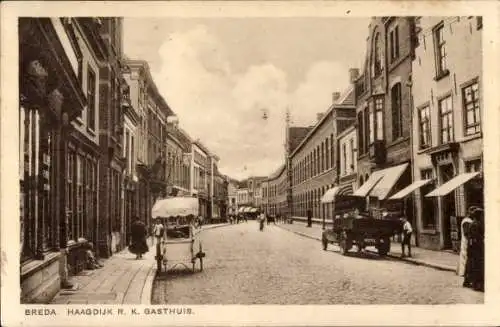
[(245, 266)]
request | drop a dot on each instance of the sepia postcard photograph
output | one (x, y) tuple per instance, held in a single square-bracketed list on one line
[(250, 163)]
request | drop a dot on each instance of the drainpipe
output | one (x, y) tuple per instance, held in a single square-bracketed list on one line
[(409, 84)]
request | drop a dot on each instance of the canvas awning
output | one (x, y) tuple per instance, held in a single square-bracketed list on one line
[(253, 210), (369, 184), (247, 209), (410, 188), (241, 209), (330, 195), (452, 184), (390, 177), (177, 206)]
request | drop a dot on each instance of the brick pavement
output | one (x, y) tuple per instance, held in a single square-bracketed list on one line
[(122, 280), (442, 260)]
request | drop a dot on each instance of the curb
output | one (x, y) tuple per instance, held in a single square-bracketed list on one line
[(413, 261), (147, 290)]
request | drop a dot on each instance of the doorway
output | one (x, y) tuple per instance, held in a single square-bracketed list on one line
[(448, 208)]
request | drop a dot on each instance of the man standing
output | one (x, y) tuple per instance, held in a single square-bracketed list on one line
[(407, 231), (309, 218)]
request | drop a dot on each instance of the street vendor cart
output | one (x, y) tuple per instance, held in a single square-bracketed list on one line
[(179, 244), (351, 227)]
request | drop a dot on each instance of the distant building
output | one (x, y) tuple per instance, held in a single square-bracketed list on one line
[(232, 195), (274, 192)]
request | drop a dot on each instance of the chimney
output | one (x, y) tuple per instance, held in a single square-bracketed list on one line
[(319, 116), (353, 74), (335, 96)]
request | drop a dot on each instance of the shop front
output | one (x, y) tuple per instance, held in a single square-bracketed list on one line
[(50, 98)]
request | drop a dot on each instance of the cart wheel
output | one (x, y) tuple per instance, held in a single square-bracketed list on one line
[(384, 246), (201, 257), (359, 244)]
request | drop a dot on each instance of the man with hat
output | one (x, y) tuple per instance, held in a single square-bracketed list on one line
[(407, 231)]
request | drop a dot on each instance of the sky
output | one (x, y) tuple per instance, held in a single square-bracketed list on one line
[(220, 75)]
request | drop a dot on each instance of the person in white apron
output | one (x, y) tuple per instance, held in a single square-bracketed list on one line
[(464, 242)]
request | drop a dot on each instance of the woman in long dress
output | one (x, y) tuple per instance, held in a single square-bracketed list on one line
[(139, 233), (464, 242)]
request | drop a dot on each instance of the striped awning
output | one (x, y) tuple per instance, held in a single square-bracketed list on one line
[(330, 195)]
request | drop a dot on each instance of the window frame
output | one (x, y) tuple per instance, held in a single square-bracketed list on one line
[(394, 43), (379, 121), (439, 47), (478, 120), (91, 99), (440, 100), (428, 144), (397, 122)]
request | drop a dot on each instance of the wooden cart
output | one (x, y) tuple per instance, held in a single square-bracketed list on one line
[(353, 228)]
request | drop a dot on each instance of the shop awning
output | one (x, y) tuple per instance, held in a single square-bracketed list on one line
[(390, 177), (410, 188), (369, 184), (241, 209), (330, 195), (248, 209), (253, 210), (452, 184)]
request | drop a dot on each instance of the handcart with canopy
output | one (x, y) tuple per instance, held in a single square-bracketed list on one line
[(179, 243)]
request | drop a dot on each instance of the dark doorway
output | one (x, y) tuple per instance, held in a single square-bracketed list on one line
[(448, 206)]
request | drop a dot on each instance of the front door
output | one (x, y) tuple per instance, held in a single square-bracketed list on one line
[(448, 206)]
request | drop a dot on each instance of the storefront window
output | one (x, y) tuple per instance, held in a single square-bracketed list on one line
[(474, 189), (428, 204)]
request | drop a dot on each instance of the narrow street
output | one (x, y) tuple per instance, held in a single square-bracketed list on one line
[(245, 266)]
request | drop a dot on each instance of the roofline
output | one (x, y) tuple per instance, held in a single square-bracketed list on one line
[(349, 89)]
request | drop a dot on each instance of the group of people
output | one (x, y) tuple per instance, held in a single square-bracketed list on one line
[(471, 262), (235, 219)]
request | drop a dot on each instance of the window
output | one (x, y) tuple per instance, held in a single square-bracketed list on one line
[(424, 122), (379, 122), (440, 50), (371, 124), (367, 130), (446, 120), (473, 166), (470, 98), (394, 43), (396, 111), (327, 156), (360, 133), (344, 159), (428, 204), (377, 59), (331, 151), (352, 155), (479, 22), (91, 80)]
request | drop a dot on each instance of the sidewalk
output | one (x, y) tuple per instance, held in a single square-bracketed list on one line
[(122, 280), (441, 260)]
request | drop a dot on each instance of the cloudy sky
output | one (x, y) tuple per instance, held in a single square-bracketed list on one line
[(219, 75)]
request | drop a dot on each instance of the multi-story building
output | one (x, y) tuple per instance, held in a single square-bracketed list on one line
[(274, 192), (155, 137), (383, 112), (243, 196), (314, 161), (200, 167), (220, 196), (347, 176), (178, 159), (46, 113), (447, 125), (232, 196)]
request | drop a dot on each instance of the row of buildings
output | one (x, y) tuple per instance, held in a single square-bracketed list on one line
[(406, 133), (98, 145)]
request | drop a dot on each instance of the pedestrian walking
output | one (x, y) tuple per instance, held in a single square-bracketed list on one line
[(407, 231), (464, 241), (158, 231), (474, 270), (139, 233)]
